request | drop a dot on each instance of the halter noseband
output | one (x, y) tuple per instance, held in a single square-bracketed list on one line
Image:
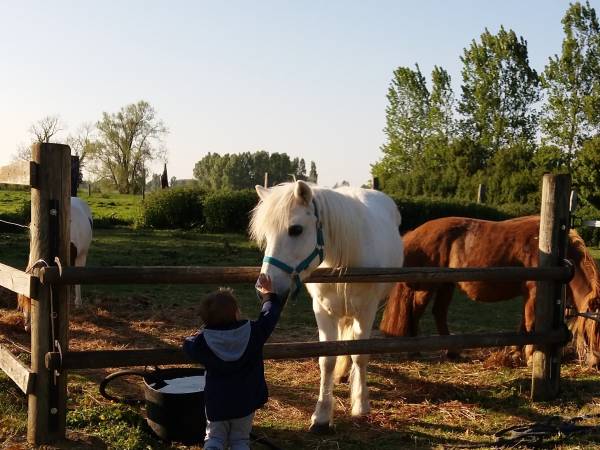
[(318, 251)]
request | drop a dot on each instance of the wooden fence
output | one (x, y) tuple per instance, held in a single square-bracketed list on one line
[(45, 382)]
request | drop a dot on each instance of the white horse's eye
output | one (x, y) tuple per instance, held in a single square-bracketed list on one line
[(295, 230)]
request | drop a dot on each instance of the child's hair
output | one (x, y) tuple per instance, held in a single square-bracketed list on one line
[(219, 308)]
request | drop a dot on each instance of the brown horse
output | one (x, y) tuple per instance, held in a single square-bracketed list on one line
[(458, 242)]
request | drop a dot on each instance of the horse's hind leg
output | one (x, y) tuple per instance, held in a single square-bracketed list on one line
[(420, 300), (440, 313), (528, 323), (359, 393)]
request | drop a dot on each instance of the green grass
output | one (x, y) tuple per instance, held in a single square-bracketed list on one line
[(113, 209), (108, 210)]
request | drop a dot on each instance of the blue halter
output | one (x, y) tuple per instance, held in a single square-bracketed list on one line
[(295, 271)]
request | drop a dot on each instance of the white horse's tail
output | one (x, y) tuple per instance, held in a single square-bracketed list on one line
[(343, 363)]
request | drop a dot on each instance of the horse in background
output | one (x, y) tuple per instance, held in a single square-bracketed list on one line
[(81, 239), (301, 227), (459, 242)]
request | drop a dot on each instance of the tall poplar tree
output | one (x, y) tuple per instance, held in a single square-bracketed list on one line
[(572, 82), (499, 92)]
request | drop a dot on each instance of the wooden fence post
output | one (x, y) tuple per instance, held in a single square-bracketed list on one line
[(550, 299), (50, 238)]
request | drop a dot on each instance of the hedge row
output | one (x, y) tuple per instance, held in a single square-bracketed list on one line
[(230, 211), (195, 208)]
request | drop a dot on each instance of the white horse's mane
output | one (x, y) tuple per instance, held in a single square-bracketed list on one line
[(343, 214)]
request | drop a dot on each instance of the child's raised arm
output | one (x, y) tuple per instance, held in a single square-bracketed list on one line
[(271, 307)]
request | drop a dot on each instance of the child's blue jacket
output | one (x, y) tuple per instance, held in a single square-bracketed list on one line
[(233, 358)]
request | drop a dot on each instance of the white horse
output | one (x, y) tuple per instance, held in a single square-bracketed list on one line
[(81, 239), (302, 227)]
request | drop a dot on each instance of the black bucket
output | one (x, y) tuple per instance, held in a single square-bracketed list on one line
[(174, 401)]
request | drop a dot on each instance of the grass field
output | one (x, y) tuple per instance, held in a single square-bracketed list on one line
[(108, 209), (425, 402)]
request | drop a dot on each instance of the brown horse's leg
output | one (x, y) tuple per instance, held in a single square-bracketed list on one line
[(440, 313), (528, 323), (420, 301)]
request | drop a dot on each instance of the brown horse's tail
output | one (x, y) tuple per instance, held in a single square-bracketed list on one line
[(397, 318)]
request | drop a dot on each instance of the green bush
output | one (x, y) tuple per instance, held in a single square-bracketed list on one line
[(172, 208), (229, 211), (418, 210), (590, 235)]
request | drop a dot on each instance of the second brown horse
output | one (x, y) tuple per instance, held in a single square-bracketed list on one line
[(458, 242)]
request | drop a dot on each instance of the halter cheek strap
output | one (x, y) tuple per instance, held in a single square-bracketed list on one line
[(305, 263)]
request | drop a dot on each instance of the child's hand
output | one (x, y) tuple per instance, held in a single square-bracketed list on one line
[(263, 284)]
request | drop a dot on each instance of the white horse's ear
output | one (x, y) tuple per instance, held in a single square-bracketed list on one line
[(303, 192), (261, 191)]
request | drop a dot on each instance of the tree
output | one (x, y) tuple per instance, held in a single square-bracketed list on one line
[(441, 123), (313, 175), (406, 120), (587, 171), (419, 128), (84, 143), (572, 82), (499, 91), (43, 131), (245, 170), (128, 140)]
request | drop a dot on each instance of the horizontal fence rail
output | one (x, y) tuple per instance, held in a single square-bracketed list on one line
[(216, 275), (16, 370), (17, 281), (99, 359)]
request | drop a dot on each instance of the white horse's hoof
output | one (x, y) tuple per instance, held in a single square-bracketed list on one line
[(362, 410), (321, 428)]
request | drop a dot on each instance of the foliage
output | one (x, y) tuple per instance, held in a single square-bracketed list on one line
[(572, 83), (419, 127), (499, 90), (229, 211), (591, 235), (417, 211), (587, 171), (127, 140), (172, 208), (313, 175), (495, 142), (246, 170)]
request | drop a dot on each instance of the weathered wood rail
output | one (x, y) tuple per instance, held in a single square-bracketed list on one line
[(216, 275), (101, 359)]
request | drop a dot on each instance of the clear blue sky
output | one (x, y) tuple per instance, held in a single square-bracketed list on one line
[(306, 77)]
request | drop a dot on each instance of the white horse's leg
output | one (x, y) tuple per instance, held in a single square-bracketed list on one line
[(322, 418), (79, 262), (359, 392)]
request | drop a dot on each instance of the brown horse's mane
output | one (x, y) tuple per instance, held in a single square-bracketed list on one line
[(584, 329), (588, 265)]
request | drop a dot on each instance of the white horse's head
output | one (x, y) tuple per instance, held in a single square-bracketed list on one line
[(286, 224)]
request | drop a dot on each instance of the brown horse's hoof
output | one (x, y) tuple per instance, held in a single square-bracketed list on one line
[(452, 355), (321, 428)]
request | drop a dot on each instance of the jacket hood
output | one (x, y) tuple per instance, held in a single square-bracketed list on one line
[(228, 345)]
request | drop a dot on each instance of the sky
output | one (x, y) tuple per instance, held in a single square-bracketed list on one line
[(308, 78)]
